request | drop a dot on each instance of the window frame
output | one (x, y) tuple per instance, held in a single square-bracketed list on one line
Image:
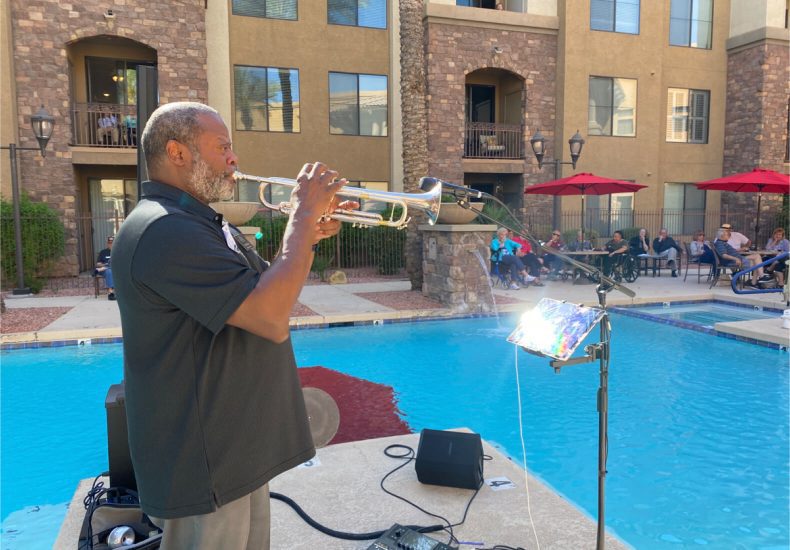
[(611, 106), (683, 221), (614, 20), (359, 117), (690, 23), (687, 118), (295, 18), (386, 17), (268, 124)]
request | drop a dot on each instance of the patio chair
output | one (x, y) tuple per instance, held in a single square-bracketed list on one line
[(690, 260), (719, 269), (489, 145)]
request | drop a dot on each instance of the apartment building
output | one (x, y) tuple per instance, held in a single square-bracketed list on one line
[(664, 93), (295, 82)]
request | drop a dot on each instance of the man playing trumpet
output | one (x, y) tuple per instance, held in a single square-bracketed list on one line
[(214, 404)]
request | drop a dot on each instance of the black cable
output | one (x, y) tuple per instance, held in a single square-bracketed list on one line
[(341, 534)]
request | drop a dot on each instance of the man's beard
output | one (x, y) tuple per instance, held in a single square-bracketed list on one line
[(209, 185)]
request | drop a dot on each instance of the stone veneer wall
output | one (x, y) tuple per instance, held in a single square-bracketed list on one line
[(758, 91), (43, 29), (454, 51), (452, 273)]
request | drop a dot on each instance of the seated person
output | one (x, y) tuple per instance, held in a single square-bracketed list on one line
[(531, 261), (738, 241), (616, 248), (730, 257), (108, 129), (779, 243), (700, 249), (103, 268), (665, 246), (503, 250), (579, 244), (554, 263), (639, 244)]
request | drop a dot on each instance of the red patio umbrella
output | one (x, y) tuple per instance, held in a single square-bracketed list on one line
[(757, 181), (583, 184)]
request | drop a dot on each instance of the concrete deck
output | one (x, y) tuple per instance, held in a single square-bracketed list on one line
[(341, 491), (99, 318)]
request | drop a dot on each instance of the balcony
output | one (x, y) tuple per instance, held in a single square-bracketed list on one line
[(486, 140), (104, 125)]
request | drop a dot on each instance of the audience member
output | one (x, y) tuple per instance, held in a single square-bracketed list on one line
[(551, 261), (108, 129), (103, 268), (616, 248), (700, 249), (665, 246), (738, 241), (532, 263), (503, 251), (579, 244), (779, 243), (639, 244), (731, 257)]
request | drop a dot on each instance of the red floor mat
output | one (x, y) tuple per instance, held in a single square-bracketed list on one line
[(367, 410)]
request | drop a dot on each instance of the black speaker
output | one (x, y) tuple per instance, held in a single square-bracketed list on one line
[(451, 459), (121, 471)]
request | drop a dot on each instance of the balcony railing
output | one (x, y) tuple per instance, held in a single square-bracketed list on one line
[(494, 140), (104, 125)]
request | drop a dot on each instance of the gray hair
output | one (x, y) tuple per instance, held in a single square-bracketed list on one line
[(178, 121)]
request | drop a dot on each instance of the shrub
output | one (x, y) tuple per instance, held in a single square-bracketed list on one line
[(43, 241)]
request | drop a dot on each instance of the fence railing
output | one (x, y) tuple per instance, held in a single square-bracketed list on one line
[(493, 140), (369, 252), (104, 125), (679, 223)]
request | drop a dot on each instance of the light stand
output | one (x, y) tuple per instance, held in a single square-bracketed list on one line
[(599, 351), (538, 143), (42, 124)]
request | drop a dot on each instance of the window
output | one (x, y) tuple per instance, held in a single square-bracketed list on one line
[(687, 115), (684, 208), (612, 107), (267, 99), (691, 23), (609, 213), (112, 80), (615, 16), (271, 9), (358, 13), (357, 104)]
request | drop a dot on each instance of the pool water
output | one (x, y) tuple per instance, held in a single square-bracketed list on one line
[(698, 424), (706, 314)]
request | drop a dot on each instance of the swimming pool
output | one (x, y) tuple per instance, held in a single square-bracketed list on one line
[(698, 425)]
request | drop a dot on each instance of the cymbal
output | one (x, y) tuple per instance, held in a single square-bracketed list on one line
[(323, 414)]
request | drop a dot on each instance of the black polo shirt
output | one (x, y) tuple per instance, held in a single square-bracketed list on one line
[(214, 412)]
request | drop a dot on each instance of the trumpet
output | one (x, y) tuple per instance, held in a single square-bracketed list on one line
[(428, 202)]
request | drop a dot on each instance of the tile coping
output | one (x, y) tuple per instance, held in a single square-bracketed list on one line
[(31, 340)]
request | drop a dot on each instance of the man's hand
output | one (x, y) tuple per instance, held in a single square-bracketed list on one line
[(314, 193), (329, 228)]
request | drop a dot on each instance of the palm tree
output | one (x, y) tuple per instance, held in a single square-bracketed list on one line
[(415, 132)]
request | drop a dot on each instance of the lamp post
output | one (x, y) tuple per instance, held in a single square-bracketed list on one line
[(42, 123), (538, 149)]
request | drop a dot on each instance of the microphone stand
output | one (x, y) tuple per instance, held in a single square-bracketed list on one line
[(599, 351)]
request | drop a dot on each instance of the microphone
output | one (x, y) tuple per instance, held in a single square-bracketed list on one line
[(459, 191)]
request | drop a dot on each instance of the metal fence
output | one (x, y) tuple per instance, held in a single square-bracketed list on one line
[(375, 251), (104, 125), (682, 225), (493, 140)]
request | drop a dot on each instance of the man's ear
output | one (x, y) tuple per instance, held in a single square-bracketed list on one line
[(176, 152)]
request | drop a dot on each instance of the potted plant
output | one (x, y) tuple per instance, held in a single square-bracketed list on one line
[(452, 213)]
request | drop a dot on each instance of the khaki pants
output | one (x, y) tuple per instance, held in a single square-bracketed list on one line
[(239, 525)]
